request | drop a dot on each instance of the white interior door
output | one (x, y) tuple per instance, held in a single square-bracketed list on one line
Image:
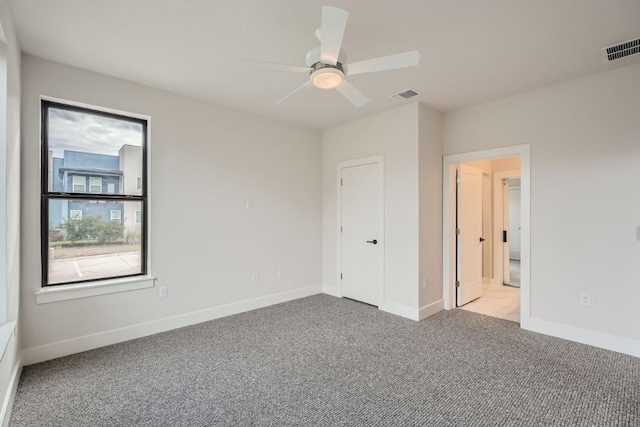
[(469, 241), (361, 238)]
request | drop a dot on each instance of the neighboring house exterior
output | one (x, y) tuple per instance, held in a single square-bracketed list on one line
[(81, 172)]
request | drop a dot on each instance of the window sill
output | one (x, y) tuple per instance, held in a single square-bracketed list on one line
[(83, 290)]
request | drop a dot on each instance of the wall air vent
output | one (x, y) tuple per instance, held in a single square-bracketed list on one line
[(404, 95), (621, 50)]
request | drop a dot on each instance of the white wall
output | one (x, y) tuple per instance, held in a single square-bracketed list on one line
[(430, 217), (584, 136), (410, 139), (207, 162), (9, 365), (394, 135)]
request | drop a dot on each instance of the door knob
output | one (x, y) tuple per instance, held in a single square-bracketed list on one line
[(482, 239), (374, 241)]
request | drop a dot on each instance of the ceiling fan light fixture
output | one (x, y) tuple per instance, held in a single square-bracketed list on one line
[(327, 78)]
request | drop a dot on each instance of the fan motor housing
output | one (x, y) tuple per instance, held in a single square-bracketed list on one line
[(313, 56), (319, 66)]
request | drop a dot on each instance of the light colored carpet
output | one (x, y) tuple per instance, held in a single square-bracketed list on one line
[(325, 361)]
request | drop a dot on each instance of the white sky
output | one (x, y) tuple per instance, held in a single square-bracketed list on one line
[(72, 130)]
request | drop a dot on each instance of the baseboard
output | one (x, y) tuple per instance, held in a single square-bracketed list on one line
[(5, 412), (583, 336), (114, 336), (331, 290), (430, 309), (400, 310)]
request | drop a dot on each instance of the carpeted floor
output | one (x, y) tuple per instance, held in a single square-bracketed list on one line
[(324, 361)]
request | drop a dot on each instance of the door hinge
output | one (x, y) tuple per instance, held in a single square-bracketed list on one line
[(504, 236), (340, 276), (457, 283), (341, 229), (457, 231), (341, 182)]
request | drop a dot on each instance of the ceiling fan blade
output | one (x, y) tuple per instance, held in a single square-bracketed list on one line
[(283, 100), (274, 66), (391, 62), (350, 92), (334, 22)]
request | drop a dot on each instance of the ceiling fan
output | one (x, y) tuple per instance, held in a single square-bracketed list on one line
[(326, 63)]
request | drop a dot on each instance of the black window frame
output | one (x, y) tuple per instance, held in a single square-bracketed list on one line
[(47, 195)]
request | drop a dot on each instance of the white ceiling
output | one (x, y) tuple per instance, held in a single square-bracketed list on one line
[(472, 51)]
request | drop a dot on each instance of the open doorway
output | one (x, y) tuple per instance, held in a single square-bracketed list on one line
[(493, 294), (504, 292)]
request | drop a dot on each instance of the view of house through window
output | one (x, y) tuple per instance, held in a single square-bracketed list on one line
[(94, 195)]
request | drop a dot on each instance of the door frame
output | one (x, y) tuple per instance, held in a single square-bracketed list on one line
[(347, 164), (450, 164), (498, 220)]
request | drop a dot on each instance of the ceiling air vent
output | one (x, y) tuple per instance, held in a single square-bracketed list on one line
[(404, 95), (621, 50)]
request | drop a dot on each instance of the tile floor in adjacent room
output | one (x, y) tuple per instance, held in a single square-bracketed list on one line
[(497, 301)]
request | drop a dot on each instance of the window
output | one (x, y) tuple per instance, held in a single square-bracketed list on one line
[(75, 215), (115, 216), (79, 184), (95, 184), (83, 231), (6, 198)]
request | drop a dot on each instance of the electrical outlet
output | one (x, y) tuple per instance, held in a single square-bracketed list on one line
[(280, 272), (256, 277), (424, 283), (585, 299), (162, 292)]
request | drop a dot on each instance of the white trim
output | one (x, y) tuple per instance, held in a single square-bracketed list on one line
[(12, 388), (346, 164), (4, 200), (88, 342), (90, 289), (450, 163), (94, 107), (331, 290), (430, 309), (584, 336), (449, 200), (400, 310)]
